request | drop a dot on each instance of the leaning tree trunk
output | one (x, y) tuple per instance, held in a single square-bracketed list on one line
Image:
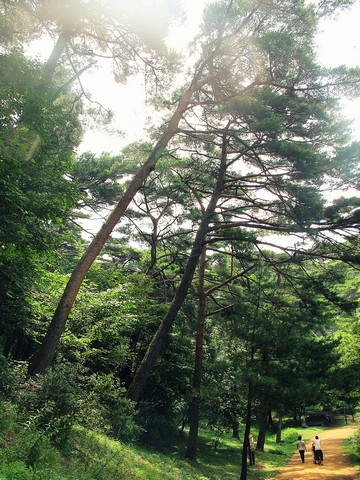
[(143, 372), (55, 55), (44, 356), (194, 410)]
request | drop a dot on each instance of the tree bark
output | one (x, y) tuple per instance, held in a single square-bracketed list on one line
[(236, 429), (44, 356), (55, 55), (143, 372), (279, 429), (263, 422), (246, 447), (194, 410)]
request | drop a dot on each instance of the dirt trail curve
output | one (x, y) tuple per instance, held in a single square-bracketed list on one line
[(336, 465)]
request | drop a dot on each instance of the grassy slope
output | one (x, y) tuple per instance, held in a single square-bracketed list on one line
[(92, 456)]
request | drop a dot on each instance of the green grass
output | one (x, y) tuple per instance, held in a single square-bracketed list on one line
[(352, 448), (92, 456), (225, 462)]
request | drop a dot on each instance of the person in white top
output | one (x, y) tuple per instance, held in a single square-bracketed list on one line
[(300, 445), (318, 453)]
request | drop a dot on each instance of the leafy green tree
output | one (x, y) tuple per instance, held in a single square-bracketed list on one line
[(42, 188), (276, 344), (36, 196), (42, 183), (162, 332), (284, 160), (280, 108), (343, 389)]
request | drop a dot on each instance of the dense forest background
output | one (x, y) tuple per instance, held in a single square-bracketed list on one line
[(223, 287)]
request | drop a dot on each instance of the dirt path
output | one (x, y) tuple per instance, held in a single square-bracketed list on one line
[(336, 463)]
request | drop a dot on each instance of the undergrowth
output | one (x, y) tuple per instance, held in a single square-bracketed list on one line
[(352, 447), (27, 454)]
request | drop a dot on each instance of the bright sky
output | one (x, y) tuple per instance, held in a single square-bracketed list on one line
[(338, 43), (127, 101)]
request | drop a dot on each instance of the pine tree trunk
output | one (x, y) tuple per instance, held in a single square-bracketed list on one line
[(44, 357), (263, 421), (198, 364), (279, 429), (235, 429), (246, 447), (55, 55), (143, 372)]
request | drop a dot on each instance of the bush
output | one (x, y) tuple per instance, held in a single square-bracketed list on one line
[(50, 403), (21, 446), (54, 402), (11, 374), (159, 423), (117, 412), (8, 418), (355, 445), (15, 471), (289, 435)]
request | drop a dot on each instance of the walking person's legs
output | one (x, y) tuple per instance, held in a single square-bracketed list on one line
[(316, 456)]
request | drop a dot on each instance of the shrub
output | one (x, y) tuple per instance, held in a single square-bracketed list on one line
[(11, 374), (15, 471), (118, 413), (50, 403), (355, 445), (8, 418), (289, 435)]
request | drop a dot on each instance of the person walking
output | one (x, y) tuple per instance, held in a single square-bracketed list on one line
[(300, 445), (318, 453), (251, 444)]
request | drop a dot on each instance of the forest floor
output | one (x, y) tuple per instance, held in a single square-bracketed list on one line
[(336, 465)]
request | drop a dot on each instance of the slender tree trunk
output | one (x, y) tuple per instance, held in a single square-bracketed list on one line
[(194, 410), (184, 420), (55, 55), (263, 422), (295, 414), (246, 448), (279, 429), (264, 409), (235, 429), (44, 357), (143, 372)]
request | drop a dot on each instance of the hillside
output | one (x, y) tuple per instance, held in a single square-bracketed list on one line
[(27, 454)]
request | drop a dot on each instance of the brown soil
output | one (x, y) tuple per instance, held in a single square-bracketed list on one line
[(336, 465)]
